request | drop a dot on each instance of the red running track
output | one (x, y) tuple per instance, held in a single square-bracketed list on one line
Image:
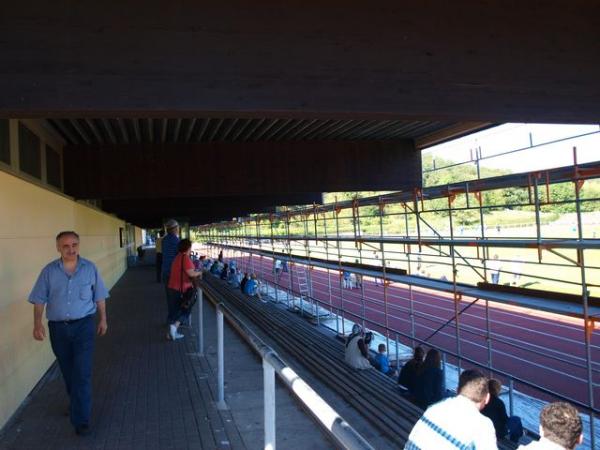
[(542, 348)]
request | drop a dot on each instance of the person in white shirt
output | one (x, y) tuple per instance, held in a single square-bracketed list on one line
[(494, 266), (560, 428), (456, 423)]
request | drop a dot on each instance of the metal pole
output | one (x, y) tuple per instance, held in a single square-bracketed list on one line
[(200, 323), (383, 270), (337, 324), (269, 400), (411, 305), (454, 286), (358, 245), (337, 232), (511, 389), (488, 336), (220, 361), (588, 326)]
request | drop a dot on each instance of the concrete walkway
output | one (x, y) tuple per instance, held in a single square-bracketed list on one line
[(150, 393)]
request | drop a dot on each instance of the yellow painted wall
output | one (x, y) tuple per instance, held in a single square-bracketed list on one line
[(138, 237), (30, 218)]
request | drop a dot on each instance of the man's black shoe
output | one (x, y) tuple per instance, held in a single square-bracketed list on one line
[(83, 430)]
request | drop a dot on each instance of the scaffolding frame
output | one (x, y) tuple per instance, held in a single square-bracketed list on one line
[(411, 206)]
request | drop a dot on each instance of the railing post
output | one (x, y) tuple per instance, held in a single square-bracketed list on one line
[(220, 361), (444, 362), (511, 389), (269, 400), (200, 323)]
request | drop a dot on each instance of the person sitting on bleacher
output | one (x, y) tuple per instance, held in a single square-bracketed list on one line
[(225, 272), (251, 287), (235, 278), (410, 370), (357, 349), (244, 281), (456, 422), (430, 386), (496, 411), (214, 269), (382, 362), (560, 428)]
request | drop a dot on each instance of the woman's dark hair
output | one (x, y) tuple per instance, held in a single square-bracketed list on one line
[(184, 245), (368, 337), (419, 353), (433, 359)]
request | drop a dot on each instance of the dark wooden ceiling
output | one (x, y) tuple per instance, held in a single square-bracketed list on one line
[(92, 131), (375, 75)]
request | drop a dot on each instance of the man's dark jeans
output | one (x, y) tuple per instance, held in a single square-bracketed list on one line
[(73, 346)]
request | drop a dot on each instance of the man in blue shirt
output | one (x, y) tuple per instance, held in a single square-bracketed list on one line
[(169, 251), (71, 290), (251, 287)]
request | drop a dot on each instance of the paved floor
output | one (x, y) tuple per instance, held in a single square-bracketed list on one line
[(150, 393)]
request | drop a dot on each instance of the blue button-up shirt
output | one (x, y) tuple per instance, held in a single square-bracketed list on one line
[(169, 250), (69, 296)]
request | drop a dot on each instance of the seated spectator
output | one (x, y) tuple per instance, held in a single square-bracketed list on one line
[(214, 269), (456, 422), (251, 287), (496, 411), (560, 428), (431, 386), (224, 272), (382, 362), (207, 263), (357, 349), (244, 281), (408, 374)]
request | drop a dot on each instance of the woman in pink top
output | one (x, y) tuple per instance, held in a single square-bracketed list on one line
[(182, 273)]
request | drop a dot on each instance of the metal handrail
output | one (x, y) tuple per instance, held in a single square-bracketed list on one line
[(331, 421)]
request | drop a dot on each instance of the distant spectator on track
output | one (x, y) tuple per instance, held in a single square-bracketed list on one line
[(456, 422), (560, 428), (357, 349), (382, 362), (494, 266), (430, 386), (277, 267), (516, 269), (346, 280), (410, 370)]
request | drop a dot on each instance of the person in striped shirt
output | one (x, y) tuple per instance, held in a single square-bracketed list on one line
[(456, 423)]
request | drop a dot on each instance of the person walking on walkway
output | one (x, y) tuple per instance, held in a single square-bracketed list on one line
[(169, 251), (159, 256), (72, 291)]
